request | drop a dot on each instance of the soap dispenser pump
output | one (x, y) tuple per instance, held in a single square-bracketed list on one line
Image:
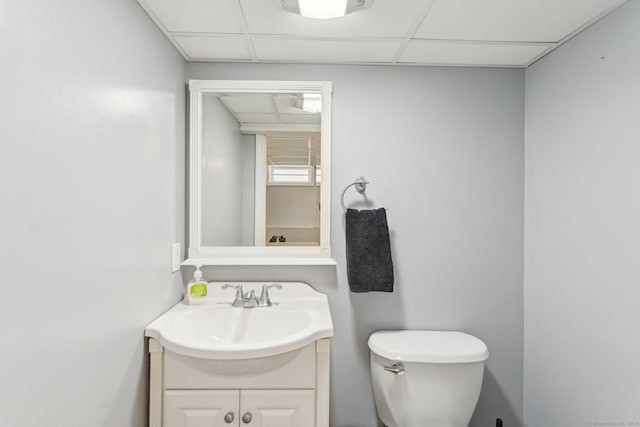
[(196, 289)]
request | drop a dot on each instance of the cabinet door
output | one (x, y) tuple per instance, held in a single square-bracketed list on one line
[(277, 408), (201, 408)]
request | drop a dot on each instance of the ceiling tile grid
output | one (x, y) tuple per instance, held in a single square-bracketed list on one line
[(497, 33), (385, 19), (211, 48), (256, 109), (460, 53), (509, 20), (272, 48)]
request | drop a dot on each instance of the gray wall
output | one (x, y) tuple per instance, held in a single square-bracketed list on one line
[(443, 149), (92, 184), (222, 161), (248, 189), (582, 229)]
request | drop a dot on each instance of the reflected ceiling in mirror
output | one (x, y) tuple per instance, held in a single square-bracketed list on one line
[(272, 109)]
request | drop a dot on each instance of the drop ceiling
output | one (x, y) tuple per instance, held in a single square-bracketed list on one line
[(254, 109), (502, 33)]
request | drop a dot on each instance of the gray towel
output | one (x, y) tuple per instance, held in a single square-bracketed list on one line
[(369, 263)]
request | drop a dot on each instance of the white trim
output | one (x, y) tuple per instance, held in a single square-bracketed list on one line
[(325, 162), (195, 169), (258, 86), (257, 255)]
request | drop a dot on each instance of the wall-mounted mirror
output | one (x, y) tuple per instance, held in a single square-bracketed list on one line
[(260, 172)]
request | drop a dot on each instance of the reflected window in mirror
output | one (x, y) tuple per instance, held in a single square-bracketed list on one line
[(293, 194)]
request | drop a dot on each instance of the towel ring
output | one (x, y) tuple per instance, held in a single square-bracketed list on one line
[(360, 184)]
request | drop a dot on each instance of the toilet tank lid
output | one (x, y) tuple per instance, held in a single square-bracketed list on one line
[(428, 346)]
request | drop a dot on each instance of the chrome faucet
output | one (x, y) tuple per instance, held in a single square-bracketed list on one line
[(249, 300), (242, 299), (264, 300)]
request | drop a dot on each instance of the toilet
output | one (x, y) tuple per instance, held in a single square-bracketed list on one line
[(426, 378)]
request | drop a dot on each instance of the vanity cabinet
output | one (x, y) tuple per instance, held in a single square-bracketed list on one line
[(285, 390), (188, 408), (235, 408)]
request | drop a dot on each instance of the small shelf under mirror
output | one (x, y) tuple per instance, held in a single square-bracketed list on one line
[(301, 261)]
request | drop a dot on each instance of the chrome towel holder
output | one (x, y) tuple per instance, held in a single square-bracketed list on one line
[(360, 184)]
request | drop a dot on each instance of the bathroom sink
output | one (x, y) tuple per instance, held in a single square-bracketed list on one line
[(216, 330)]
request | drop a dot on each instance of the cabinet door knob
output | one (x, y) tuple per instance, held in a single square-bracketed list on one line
[(228, 418), (246, 418)]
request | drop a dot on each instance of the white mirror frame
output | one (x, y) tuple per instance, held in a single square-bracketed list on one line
[(257, 255)]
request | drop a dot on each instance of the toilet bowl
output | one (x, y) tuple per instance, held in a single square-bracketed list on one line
[(426, 378)]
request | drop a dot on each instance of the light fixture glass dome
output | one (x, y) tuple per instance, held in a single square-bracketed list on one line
[(324, 9)]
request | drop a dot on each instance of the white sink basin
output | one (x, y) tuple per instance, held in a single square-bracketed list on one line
[(215, 330)]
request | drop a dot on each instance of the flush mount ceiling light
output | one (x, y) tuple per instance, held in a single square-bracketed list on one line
[(324, 9), (312, 102), (309, 103)]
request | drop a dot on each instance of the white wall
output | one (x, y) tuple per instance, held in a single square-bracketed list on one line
[(92, 186), (443, 149), (582, 229), (222, 161)]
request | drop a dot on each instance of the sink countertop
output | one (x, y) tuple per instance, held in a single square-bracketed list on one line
[(215, 330)]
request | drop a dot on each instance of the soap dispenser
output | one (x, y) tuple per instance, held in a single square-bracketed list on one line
[(196, 289)]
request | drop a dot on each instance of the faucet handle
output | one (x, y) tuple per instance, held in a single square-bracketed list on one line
[(238, 288), (264, 300), (238, 301)]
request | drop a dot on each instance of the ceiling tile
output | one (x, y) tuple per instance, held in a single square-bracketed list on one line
[(208, 16), (324, 50), (461, 53), (385, 18), (249, 103), (509, 20), (513, 31), (213, 47)]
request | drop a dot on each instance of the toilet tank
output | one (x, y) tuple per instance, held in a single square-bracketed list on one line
[(440, 382)]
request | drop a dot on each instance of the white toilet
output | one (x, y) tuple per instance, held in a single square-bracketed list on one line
[(426, 378)]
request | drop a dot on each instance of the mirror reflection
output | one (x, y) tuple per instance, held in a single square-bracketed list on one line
[(261, 169)]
